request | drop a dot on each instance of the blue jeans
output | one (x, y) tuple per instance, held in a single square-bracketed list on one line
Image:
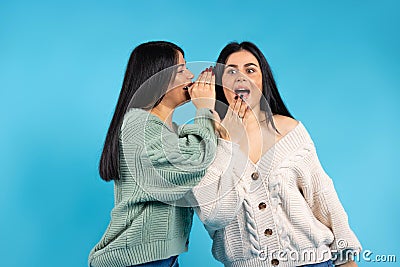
[(170, 262), (321, 264)]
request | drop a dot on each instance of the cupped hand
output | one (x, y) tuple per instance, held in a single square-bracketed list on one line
[(202, 92), (232, 126)]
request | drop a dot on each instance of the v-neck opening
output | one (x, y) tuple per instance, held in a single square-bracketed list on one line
[(272, 147)]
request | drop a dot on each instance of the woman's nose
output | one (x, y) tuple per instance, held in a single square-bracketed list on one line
[(241, 78), (190, 74)]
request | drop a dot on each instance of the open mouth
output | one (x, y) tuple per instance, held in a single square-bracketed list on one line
[(242, 92)]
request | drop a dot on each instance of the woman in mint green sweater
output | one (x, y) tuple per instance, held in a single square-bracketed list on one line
[(152, 162)]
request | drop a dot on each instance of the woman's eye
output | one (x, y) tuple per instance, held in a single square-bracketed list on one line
[(232, 71), (251, 70)]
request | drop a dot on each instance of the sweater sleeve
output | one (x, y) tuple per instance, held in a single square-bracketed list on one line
[(219, 195), (164, 165), (319, 192), (192, 149)]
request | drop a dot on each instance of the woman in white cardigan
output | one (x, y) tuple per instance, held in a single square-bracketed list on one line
[(266, 200)]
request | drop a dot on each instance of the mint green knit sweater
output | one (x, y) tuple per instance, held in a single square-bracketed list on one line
[(157, 168)]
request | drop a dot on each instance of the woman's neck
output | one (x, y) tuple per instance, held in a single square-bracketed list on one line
[(257, 116), (164, 113)]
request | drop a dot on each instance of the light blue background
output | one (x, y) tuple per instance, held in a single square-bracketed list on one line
[(61, 68)]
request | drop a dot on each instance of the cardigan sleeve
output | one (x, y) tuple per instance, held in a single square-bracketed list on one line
[(219, 195), (319, 192), (162, 164)]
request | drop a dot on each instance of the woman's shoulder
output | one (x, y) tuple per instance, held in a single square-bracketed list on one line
[(294, 133), (285, 124), (136, 116), (136, 113), (137, 123)]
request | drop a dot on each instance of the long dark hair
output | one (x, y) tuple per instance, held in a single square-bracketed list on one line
[(271, 102), (145, 61)]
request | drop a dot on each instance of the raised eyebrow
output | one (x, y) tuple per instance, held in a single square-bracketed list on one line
[(231, 65), (245, 65), (250, 64)]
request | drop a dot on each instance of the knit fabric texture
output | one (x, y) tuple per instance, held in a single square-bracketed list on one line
[(282, 211), (151, 220)]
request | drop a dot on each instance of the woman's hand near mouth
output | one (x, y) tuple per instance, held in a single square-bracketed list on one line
[(232, 128), (202, 92), (242, 92)]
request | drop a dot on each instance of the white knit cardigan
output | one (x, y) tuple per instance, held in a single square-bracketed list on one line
[(282, 211)]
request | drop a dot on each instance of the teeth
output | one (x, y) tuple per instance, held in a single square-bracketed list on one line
[(242, 90)]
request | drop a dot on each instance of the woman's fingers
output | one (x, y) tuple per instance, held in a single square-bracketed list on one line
[(199, 83), (231, 109), (202, 77), (242, 109), (237, 109), (238, 105), (207, 78), (196, 84), (203, 92), (212, 77)]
